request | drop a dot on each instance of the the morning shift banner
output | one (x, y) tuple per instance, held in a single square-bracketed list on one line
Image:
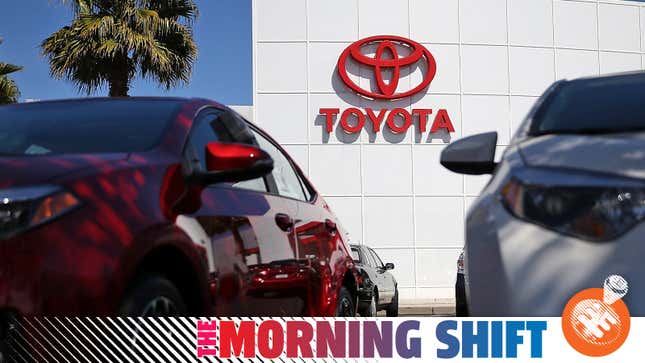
[(428, 339)]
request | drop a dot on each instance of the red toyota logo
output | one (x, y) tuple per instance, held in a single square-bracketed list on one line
[(418, 53)]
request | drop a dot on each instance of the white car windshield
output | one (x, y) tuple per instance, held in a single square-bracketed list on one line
[(594, 106)]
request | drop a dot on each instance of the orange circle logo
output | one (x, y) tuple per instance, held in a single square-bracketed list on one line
[(596, 322)]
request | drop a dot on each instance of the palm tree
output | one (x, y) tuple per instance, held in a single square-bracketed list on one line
[(9, 92), (111, 41)]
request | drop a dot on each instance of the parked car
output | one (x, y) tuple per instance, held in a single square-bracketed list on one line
[(564, 206), (158, 207), (461, 306), (377, 289)]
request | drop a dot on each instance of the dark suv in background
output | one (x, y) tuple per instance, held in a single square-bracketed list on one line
[(377, 289), (157, 207)]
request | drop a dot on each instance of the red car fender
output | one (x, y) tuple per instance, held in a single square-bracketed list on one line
[(164, 237)]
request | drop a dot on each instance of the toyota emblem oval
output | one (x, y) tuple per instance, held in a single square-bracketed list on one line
[(379, 63)]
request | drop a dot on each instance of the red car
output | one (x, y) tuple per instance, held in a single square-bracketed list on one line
[(158, 207)]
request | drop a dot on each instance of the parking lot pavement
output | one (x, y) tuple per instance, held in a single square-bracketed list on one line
[(431, 309)]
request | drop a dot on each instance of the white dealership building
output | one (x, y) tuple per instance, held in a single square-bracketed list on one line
[(492, 59)]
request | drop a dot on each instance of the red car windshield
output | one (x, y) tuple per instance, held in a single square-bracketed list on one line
[(79, 127)]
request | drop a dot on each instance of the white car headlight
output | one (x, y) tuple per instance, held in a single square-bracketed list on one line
[(590, 212)]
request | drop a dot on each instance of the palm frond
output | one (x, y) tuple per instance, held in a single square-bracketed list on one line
[(80, 6), (6, 68), (9, 92), (174, 9), (93, 26)]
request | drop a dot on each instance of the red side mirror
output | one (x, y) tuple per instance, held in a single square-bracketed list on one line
[(227, 162), (225, 157)]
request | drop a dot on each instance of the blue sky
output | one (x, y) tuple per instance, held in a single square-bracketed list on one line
[(223, 34)]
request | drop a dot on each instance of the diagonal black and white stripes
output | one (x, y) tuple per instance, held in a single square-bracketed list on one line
[(83, 340)]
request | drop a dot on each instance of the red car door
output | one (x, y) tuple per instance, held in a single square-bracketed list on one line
[(248, 231), (318, 242)]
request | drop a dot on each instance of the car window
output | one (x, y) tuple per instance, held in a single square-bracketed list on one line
[(305, 187), (286, 179), (201, 134), (594, 105), (356, 256), (368, 259), (377, 259), (214, 125)]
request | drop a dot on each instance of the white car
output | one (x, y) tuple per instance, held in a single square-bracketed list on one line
[(564, 206)]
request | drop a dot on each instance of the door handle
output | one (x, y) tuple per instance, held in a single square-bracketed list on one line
[(284, 222)]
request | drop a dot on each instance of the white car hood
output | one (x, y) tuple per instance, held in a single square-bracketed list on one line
[(619, 154)]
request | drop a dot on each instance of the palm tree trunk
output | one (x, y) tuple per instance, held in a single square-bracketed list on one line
[(120, 77), (119, 85)]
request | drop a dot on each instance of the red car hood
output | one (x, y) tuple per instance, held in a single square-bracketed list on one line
[(27, 170)]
